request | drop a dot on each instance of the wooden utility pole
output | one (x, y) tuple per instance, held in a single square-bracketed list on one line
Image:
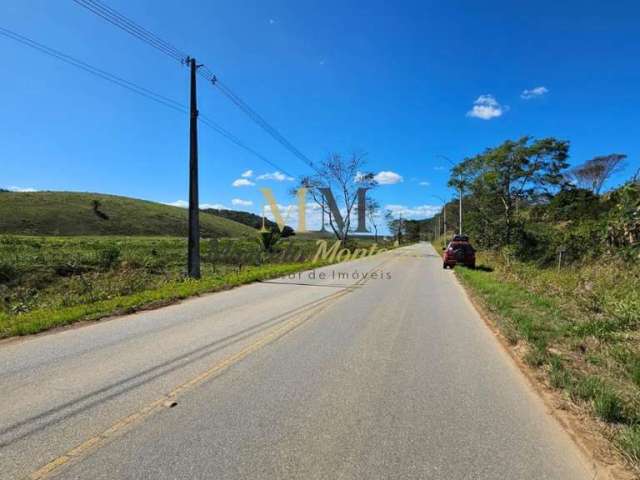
[(444, 220), (193, 262), (460, 210)]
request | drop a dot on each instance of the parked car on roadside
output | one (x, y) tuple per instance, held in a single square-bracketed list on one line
[(459, 252)]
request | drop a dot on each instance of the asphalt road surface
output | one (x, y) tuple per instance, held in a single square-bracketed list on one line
[(392, 376)]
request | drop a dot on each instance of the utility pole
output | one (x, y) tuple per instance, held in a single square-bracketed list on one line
[(193, 262), (460, 207), (444, 220), (444, 215), (460, 200)]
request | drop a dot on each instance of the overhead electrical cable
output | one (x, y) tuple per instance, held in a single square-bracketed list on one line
[(225, 133), (257, 118), (140, 90), (119, 20), (93, 70), (203, 71)]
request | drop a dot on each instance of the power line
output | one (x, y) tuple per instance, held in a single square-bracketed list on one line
[(208, 75), (257, 118), (131, 27), (143, 34), (93, 70), (229, 136), (140, 90)]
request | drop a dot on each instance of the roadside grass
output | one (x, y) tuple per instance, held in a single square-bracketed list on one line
[(46, 282), (629, 441), (580, 326), (42, 319)]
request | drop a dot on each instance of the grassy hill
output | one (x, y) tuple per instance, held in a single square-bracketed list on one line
[(246, 218), (71, 213)]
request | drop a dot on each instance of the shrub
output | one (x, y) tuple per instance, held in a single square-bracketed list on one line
[(534, 243), (154, 265), (68, 269), (8, 273), (608, 406), (585, 239), (109, 256), (287, 231), (268, 240)]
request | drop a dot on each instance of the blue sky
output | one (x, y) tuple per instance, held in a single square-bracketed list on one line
[(395, 79)]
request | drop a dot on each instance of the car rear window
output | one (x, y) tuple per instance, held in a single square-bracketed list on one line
[(465, 247)]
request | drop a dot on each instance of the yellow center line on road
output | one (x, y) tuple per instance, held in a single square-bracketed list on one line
[(92, 444)]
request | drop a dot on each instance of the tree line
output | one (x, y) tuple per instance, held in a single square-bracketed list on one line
[(523, 195)]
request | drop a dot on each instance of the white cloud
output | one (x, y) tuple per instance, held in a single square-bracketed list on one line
[(534, 93), (439, 168), (387, 178), (185, 204), (418, 212), (13, 188), (242, 203), (277, 176), (178, 203), (242, 182), (247, 174), (486, 107), (424, 184)]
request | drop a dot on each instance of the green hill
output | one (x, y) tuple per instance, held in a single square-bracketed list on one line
[(246, 218), (71, 213)]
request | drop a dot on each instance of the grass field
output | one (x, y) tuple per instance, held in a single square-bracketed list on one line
[(71, 213), (580, 326), (52, 281)]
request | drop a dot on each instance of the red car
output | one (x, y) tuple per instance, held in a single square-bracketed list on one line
[(459, 252)]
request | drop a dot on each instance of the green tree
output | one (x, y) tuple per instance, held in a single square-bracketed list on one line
[(394, 224), (413, 229), (569, 204), (500, 181)]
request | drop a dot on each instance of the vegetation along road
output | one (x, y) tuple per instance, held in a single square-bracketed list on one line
[(391, 374)]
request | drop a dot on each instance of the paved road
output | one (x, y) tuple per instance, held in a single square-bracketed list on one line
[(393, 376)]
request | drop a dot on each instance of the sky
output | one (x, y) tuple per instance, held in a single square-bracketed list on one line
[(407, 82)]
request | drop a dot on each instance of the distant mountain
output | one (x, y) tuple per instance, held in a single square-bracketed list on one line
[(72, 213), (246, 218)]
